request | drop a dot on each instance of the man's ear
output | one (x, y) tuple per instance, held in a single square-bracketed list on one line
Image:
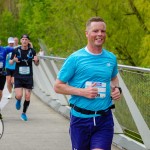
[(86, 33)]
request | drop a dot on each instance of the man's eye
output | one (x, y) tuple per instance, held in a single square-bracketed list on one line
[(103, 31), (95, 31)]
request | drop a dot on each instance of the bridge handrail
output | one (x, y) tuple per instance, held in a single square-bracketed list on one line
[(119, 65)]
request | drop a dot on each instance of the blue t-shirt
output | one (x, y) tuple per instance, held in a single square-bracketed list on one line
[(3, 53), (83, 68), (8, 65)]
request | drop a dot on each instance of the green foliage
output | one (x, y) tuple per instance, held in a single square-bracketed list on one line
[(144, 51), (61, 25), (6, 25)]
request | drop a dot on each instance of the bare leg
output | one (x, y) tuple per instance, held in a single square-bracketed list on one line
[(9, 83), (18, 93), (9, 86)]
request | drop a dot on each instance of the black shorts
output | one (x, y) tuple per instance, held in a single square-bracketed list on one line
[(23, 83), (10, 72), (2, 81)]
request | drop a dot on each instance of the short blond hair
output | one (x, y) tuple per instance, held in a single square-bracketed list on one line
[(94, 19)]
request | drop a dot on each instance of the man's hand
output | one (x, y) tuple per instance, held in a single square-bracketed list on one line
[(15, 59), (36, 60), (115, 93), (90, 92)]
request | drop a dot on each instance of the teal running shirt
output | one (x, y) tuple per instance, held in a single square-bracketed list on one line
[(8, 65), (83, 68)]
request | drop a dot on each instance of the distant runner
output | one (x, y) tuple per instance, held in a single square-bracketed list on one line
[(23, 56)]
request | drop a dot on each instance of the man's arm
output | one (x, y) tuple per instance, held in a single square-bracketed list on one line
[(115, 89), (11, 61), (115, 82), (36, 60), (63, 88), (14, 58)]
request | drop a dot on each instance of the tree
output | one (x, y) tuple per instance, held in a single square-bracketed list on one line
[(61, 25)]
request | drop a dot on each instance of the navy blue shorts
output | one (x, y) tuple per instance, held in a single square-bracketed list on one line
[(90, 133), (10, 72), (2, 82), (26, 83)]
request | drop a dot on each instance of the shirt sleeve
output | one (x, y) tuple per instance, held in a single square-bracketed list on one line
[(13, 54), (115, 70), (68, 69), (9, 49)]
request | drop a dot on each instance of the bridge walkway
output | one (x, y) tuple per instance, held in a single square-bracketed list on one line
[(46, 129)]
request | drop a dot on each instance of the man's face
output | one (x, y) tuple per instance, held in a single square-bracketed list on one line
[(11, 44), (24, 42), (96, 34), (16, 41)]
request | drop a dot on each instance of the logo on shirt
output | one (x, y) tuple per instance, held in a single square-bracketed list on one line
[(108, 64)]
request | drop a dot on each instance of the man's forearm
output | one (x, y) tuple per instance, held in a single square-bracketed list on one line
[(115, 82), (67, 90), (11, 61)]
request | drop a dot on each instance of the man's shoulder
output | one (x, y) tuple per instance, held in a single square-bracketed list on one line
[(2, 48), (78, 52), (18, 47), (108, 53), (32, 49), (8, 49), (29, 49)]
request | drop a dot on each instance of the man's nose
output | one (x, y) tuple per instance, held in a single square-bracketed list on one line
[(99, 32)]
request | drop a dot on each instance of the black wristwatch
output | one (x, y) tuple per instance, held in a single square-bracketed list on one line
[(120, 89)]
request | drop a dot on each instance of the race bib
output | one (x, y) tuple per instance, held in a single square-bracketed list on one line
[(101, 86), (24, 70), (1, 64)]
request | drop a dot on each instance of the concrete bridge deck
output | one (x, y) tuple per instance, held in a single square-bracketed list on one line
[(45, 130)]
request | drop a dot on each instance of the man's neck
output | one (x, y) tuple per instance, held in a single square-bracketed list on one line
[(24, 47), (94, 50)]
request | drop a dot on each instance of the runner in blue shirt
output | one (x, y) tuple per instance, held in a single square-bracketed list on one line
[(10, 69), (3, 53), (89, 75)]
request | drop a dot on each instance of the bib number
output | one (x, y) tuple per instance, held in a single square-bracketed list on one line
[(24, 70), (101, 86)]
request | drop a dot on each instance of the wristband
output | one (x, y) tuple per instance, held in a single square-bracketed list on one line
[(120, 89)]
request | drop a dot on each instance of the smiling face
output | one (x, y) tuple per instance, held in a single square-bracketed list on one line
[(96, 35)]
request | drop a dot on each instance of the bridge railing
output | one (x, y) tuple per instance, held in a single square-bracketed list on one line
[(131, 116)]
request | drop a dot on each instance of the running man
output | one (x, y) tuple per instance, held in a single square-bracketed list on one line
[(3, 54), (87, 75), (23, 56), (10, 69)]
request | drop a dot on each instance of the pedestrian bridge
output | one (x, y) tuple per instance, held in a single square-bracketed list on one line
[(132, 119), (48, 113)]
